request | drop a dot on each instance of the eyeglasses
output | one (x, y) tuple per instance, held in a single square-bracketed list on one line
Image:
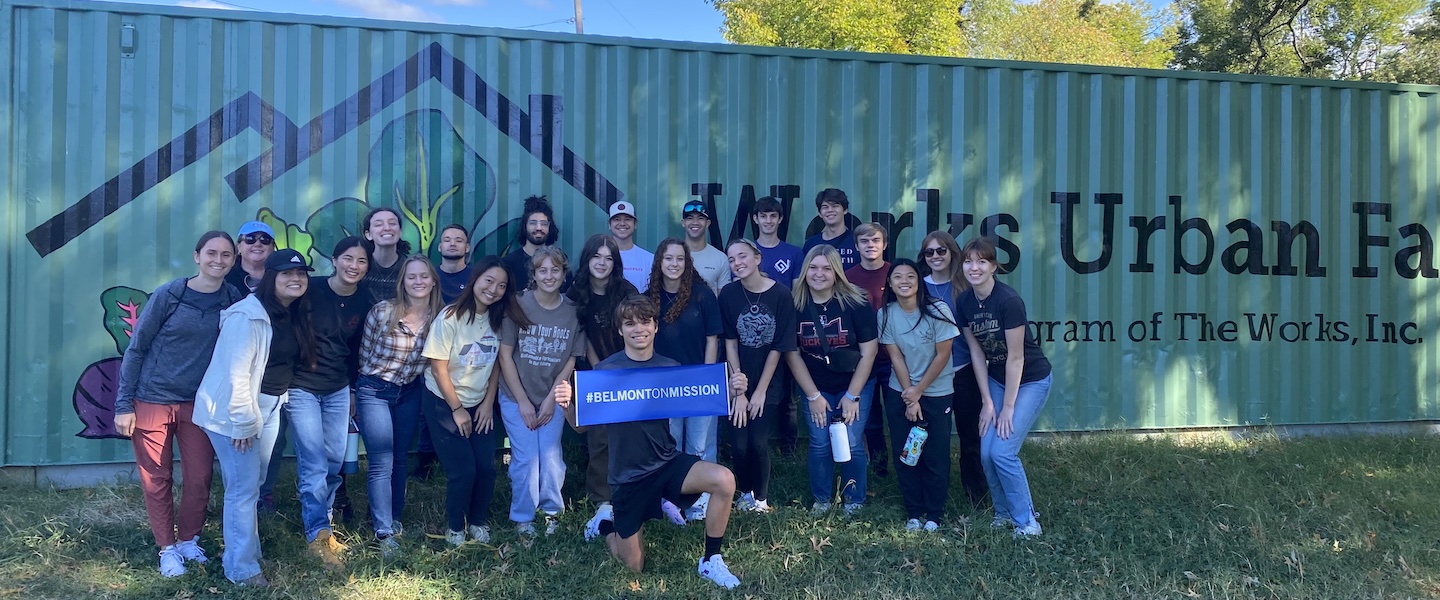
[(938, 251), (257, 238)]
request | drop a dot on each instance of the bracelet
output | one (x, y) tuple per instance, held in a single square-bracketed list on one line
[(850, 396), (813, 398), (462, 407)]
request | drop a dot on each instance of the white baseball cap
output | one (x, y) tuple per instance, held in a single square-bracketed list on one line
[(622, 208)]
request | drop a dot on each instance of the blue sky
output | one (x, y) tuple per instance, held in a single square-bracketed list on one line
[(690, 20)]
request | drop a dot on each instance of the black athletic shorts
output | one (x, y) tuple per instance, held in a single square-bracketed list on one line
[(639, 501)]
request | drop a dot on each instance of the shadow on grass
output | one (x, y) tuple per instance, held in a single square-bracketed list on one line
[(1345, 517)]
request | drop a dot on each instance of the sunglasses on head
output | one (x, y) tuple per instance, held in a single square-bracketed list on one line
[(257, 238), (940, 251)]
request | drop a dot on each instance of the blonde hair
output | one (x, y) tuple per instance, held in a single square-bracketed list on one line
[(848, 293), (556, 257), (402, 301)]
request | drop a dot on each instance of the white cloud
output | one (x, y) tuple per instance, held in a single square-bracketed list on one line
[(390, 9), (457, 2), (204, 4), (540, 4)]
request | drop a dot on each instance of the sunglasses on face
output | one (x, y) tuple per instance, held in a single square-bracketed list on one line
[(257, 238), (940, 251)]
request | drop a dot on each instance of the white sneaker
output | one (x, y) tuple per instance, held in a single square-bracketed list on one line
[(552, 524), (172, 564), (715, 570), (526, 529), (746, 502), (912, 525), (455, 538), (761, 506), (479, 533), (190, 549), (1027, 531), (592, 527), (1002, 523), (931, 526), (852, 507), (819, 509)]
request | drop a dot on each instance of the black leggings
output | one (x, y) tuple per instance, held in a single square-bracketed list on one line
[(967, 432), (751, 453), (925, 487), (469, 465)]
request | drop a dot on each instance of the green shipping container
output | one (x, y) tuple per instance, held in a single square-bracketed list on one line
[(1195, 250)]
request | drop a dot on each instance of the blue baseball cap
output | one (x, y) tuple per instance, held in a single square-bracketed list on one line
[(256, 227)]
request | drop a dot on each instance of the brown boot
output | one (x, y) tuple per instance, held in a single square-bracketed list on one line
[(336, 546), (321, 548)]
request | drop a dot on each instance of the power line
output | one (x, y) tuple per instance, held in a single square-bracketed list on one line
[(622, 17), (555, 22)]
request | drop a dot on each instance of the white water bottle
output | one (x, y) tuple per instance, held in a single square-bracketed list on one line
[(352, 451), (839, 440)]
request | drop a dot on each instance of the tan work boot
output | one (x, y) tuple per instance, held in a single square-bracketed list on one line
[(336, 546), (321, 547)]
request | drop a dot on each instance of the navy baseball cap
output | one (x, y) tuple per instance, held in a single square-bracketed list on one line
[(284, 260)]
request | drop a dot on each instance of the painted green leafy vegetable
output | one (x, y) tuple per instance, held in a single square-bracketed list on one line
[(122, 310), (422, 168), (286, 235)]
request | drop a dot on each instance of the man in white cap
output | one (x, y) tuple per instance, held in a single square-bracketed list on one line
[(253, 246), (637, 260)]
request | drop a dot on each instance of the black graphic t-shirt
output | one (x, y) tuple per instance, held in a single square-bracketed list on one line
[(845, 327), (989, 319), (597, 317), (638, 448), (759, 323), (339, 322)]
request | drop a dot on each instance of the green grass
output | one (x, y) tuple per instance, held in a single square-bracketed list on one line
[(1340, 517)]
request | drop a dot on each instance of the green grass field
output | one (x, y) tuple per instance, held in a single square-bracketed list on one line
[(1338, 517)]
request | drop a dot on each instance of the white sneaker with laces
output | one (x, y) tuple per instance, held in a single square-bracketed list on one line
[(592, 527), (715, 570), (190, 549), (1002, 523), (746, 501), (819, 509), (552, 524), (761, 506), (912, 525), (172, 564), (526, 529), (479, 533), (1027, 531), (931, 526), (455, 538)]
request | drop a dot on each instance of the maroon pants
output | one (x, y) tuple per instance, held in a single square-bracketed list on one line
[(156, 426)]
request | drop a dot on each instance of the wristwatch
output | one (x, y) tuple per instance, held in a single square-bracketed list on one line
[(849, 396)]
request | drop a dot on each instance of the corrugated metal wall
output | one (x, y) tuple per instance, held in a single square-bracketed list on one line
[(131, 130)]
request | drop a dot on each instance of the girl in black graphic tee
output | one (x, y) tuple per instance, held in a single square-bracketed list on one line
[(759, 319)]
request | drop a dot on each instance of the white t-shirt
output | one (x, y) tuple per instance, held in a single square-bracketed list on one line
[(714, 266), (637, 266)]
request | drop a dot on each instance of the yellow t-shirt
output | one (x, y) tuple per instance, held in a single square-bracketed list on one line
[(471, 348)]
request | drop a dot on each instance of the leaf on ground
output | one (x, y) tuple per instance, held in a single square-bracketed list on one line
[(634, 586), (818, 543), (1223, 527)]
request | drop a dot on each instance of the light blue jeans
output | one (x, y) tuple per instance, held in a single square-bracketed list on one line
[(318, 427), (696, 435), (388, 416), (537, 463), (242, 473), (821, 462), (1009, 488)]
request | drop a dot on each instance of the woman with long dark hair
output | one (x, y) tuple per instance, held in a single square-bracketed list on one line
[(837, 335), (533, 358), (460, 389), (238, 404), (688, 331), (945, 280), (382, 229), (917, 330), (162, 368), (598, 288), (1014, 380), (388, 392), (319, 405), (759, 318)]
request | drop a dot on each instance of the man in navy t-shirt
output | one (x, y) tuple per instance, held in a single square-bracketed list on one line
[(834, 206), (778, 259)]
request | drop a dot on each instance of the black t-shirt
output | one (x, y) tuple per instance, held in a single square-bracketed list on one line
[(380, 281), (597, 317), (452, 284), (519, 264), (845, 327), (339, 322), (759, 323), (988, 320), (284, 353), (684, 340), (638, 448)]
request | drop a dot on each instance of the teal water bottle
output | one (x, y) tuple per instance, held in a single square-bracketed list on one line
[(914, 443)]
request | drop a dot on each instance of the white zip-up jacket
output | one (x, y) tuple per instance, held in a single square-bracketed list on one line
[(227, 402)]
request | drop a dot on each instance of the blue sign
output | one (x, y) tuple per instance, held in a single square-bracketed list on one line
[(623, 395)]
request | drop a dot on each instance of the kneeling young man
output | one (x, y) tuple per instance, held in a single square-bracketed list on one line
[(648, 467)]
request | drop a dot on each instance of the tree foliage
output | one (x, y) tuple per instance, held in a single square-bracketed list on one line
[(1124, 33), (896, 26), (1417, 58)]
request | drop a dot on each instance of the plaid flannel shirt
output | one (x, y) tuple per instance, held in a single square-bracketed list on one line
[(391, 355)]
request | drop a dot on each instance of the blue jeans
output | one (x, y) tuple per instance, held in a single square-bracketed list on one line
[(1009, 488), (537, 463), (696, 435), (388, 416), (821, 462), (272, 472), (318, 427), (242, 473)]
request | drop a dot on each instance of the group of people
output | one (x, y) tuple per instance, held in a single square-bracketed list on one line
[(218, 361)]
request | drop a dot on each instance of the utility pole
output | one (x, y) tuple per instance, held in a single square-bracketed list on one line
[(579, 20)]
